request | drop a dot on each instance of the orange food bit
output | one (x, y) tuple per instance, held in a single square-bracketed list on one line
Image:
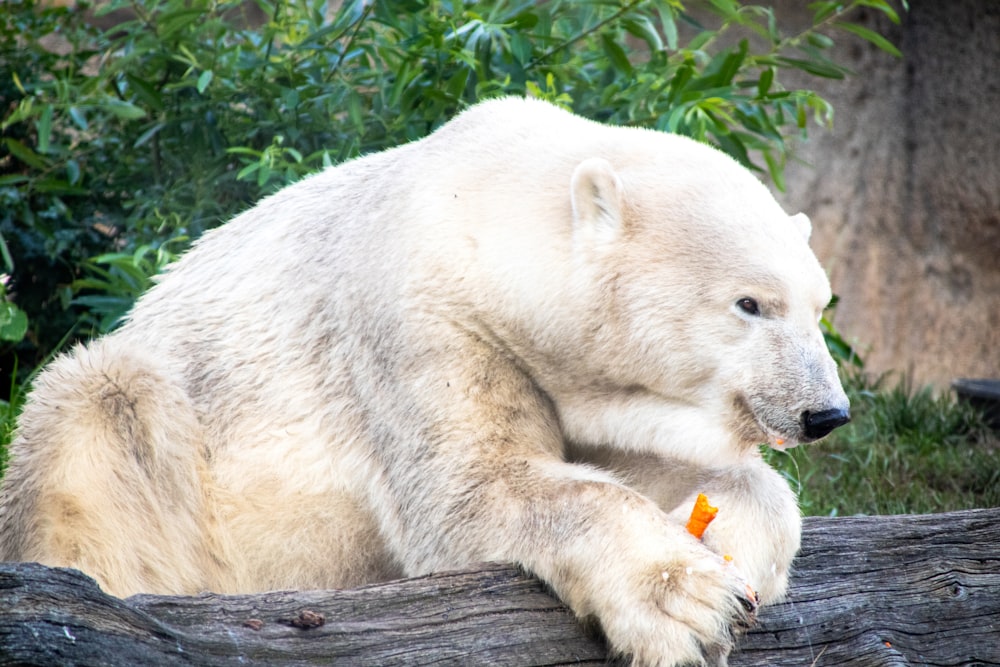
[(701, 516)]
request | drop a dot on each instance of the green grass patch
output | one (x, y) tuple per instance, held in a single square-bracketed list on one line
[(906, 451), (9, 410)]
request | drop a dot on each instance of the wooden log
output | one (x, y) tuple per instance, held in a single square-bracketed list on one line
[(866, 591)]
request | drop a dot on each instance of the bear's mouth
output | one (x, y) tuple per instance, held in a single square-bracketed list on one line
[(775, 439), (755, 427), (774, 442)]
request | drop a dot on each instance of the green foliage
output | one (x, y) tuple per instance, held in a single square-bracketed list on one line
[(10, 408), (115, 280), (842, 351), (13, 320), (906, 450), (171, 122), (118, 146)]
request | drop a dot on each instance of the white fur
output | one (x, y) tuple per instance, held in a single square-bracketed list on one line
[(515, 340)]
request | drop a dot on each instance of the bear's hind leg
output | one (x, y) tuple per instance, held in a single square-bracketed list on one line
[(107, 475)]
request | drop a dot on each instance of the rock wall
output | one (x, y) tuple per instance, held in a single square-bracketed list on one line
[(904, 192)]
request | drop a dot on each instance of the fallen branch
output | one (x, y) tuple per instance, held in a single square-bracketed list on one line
[(866, 591)]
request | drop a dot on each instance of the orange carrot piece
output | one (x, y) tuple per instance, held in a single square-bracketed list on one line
[(701, 516)]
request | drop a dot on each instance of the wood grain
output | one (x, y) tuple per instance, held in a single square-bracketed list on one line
[(867, 591)]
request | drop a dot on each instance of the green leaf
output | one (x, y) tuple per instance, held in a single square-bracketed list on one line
[(44, 127), (146, 92), (59, 186), (73, 172), (616, 54), (13, 179), (824, 10), (826, 70), (263, 175), (25, 154), (776, 169), (122, 109), (521, 47), (355, 112), (669, 27), (642, 27), (883, 7), (870, 36), (700, 40), (243, 150), (404, 76), (8, 261), (78, 118), (726, 69), (680, 81), (318, 37), (246, 171), (147, 135), (822, 110), (765, 81), (773, 33), (204, 79), (727, 8), (820, 41), (23, 110), (456, 86), (13, 322), (168, 24), (839, 348), (17, 83)]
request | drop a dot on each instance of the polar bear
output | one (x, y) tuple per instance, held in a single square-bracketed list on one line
[(526, 338)]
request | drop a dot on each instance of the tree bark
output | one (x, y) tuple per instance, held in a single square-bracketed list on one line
[(900, 590)]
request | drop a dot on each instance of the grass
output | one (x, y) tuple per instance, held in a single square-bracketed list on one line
[(9, 410), (906, 451)]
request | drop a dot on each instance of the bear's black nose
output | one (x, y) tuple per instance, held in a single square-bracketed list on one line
[(819, 424)]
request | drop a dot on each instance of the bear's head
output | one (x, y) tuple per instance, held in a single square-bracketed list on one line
[(709, 300)]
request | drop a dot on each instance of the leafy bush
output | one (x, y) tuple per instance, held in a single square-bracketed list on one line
[(168, 123)]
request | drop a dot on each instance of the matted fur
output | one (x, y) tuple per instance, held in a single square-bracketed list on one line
[(518, 339)]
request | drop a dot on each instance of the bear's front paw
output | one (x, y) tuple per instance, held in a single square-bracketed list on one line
[(681, 611)]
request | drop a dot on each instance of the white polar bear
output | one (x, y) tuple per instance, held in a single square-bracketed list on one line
[(526, 338)]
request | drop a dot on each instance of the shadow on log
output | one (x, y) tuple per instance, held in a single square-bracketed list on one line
[(903, 590)]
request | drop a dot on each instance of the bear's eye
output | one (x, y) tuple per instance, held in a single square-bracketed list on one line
[(748, 306)]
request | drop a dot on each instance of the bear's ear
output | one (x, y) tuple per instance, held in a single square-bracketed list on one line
[(801, 222), (596, 193)]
